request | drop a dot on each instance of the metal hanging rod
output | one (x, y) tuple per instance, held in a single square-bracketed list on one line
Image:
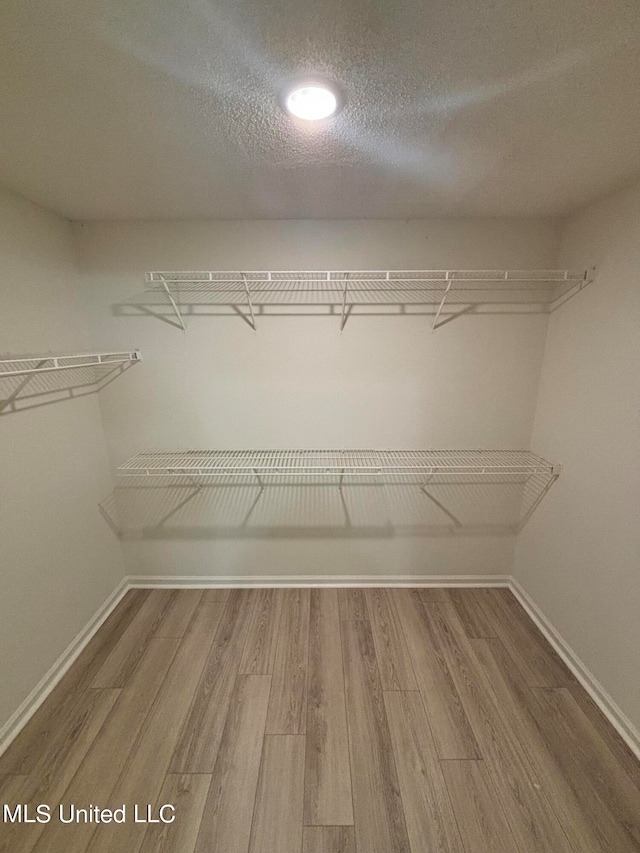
[(258, 287), (30, 365), (332, 463)]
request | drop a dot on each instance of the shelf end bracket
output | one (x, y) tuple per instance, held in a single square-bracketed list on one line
[(442, 301), (345, 315), (173, 303), (248, 292)]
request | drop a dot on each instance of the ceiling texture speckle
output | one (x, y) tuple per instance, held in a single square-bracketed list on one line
[(168, 109)]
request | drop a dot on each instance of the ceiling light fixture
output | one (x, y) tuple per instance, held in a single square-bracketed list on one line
[(311, 101)]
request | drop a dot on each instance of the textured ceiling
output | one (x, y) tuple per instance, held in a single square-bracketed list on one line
[(169, 108)]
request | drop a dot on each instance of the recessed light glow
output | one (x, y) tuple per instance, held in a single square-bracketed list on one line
[(312, 102)]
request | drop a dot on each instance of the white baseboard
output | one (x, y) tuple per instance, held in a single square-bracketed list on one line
[(262, 581), (618, 719), (27, 709)]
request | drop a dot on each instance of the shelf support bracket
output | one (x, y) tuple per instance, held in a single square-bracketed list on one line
[(343, 319), (555, 473), (442, 301), (251, 508), (5, 404), (195, 483), (248, 292), (345, 509), (178, 507), (173, 303), (456, 521), (259, 479)]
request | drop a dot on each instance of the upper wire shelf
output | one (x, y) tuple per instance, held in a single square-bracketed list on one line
[(334, 463), (346, 288)]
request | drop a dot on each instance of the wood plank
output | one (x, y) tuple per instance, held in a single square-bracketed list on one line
[(327, 774), (197, 748), (329, 839), (607, 732), (26, 750), (536, 637), (352, 604), (394, 663), (449, 723), (471, 614), (188, 795), (260, 646), (54, 720), (108, 754), (607, 793), (119, 667), (54, 771), (10, 788), (431, 823), (516, 700), (539, 664), (180, 614), (379, 817), (218, 596), (288, 702), (529, 813), (147, 766), (277, 817), (226, 823), (433, 595), (480, 819), (84, 670)]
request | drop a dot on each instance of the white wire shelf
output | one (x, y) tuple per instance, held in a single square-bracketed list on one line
[(298, 491), (345, 288), (301, 464), (29, 381), (31, 365), (326, 281)]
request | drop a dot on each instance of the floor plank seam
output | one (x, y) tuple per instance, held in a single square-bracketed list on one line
[(255, 801), (344, 682)]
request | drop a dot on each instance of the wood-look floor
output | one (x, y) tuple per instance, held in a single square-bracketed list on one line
[(324, 721)]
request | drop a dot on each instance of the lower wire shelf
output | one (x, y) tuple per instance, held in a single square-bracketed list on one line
[(264, 492), (323, 464)]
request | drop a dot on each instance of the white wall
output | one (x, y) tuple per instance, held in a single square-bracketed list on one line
[(579, 557), (59, 560), (385, 382)]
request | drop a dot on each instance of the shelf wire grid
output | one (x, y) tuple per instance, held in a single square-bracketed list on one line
[(31, 365), (244, 491), (322, 464), (30, 381), (365, 286)]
